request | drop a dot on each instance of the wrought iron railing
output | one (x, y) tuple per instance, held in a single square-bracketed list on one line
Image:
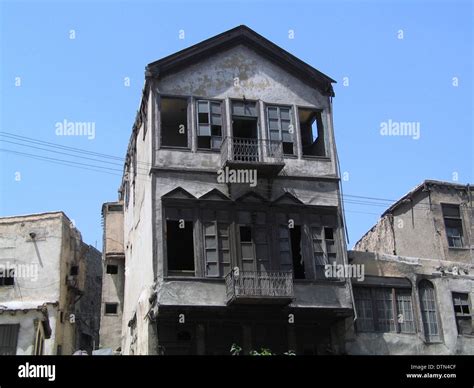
[(263, 284), (238, 149)]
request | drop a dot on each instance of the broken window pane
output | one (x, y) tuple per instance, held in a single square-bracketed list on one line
[(279, 127), (462, 313), (209, 124), (453, 225)]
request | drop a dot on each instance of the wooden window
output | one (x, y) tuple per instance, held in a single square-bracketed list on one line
[(217, 248), (429, 313), (8, 339), (209, 124), (365, 313), (462, 313), (324, 248), (280, 127), (384, 306), (384, 309), (453, 225), (405, 317)]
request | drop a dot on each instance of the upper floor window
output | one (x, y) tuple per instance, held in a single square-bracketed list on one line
[(312, 133), (280, 127), (462, 312), (209, 124), (429, 311), (174, 121), (453, 225)]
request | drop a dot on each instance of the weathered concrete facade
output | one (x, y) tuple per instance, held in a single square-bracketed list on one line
[(113, 267), (421, 252), (181, 303), (49, 288)]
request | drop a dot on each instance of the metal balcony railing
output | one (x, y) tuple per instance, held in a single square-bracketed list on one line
[(244, 150), (259, 285)]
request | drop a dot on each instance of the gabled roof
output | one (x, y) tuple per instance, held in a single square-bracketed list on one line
[(251, 196), (178, 193), (215, 195), (422, 187), (287, 199), (242, 35)]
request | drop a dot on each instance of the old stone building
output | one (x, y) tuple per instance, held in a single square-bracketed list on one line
[(50, 284), (232, 205), (113, 261), (419, 275)]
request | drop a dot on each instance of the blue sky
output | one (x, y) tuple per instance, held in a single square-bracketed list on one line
[(404, 61)]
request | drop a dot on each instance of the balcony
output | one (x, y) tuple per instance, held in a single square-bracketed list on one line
[(265, 156), (253, 287)]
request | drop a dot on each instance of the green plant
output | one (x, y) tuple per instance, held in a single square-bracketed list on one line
[(235, 350)]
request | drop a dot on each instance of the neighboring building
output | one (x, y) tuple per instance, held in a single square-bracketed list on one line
[(418, 292), (113, 261), (50, 284), (215, 254)]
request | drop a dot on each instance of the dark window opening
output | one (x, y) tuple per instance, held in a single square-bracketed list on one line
[(7, 277), (111, 308), (298, 264), (244, 127), (245, 234), (183, 336), (112, 269), (74, 270), (8, 339), (174, 122), (209, 126), (312, 133), (180, 245), (453, 225), (462, 313)]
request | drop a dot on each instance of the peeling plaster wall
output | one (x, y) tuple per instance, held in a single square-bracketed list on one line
[(112, 284), (56, 247), (418, 228), (259, 79), (415, 269), (139, 240)]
